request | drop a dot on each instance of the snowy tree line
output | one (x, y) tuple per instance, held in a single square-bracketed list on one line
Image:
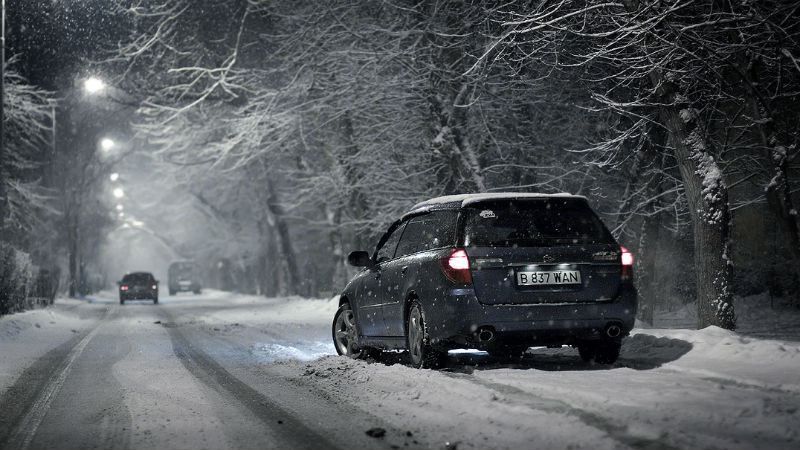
[(24, 202), (296, 131), (304, 128)]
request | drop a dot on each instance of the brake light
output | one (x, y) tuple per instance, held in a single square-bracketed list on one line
[(123, 288), (155, 287), (626, 259), (456, 267)]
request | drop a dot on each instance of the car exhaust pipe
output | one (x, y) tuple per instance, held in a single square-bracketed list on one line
[(485, 335), (613, 331)]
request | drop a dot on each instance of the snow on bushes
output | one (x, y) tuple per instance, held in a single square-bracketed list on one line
[(22, 284)]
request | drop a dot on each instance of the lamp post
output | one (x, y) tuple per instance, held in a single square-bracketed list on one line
[(91, 85), (3, 196)]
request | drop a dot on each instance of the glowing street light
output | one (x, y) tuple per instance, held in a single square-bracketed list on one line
[(107, 144), (118, 192), (114, 176), (120, 208), (93, 85)]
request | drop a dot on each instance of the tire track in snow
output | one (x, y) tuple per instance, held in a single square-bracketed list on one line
[(286, 427), (23, 429)]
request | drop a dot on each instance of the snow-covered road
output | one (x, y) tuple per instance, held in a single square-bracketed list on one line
[(230, 371)]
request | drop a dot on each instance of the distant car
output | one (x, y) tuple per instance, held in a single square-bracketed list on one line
[(138, 286), (498, 272), (183, 277)]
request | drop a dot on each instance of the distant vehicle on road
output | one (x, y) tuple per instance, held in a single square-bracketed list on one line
[(183, 277), (138, 286), (497, 272)]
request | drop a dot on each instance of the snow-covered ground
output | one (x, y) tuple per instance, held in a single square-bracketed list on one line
[(671, 388), (677, 387), (27, 336)]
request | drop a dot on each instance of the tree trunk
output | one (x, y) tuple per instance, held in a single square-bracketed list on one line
[(779, 194), (779, 198), (339, 275), (294, 283), (452, 142), (707, 196), (646, 256), (72, 248)]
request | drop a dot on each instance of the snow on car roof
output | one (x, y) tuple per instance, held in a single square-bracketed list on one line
[(467, 199)]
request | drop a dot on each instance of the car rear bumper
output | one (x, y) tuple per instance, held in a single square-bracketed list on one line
[(139, 296), (460, 317)]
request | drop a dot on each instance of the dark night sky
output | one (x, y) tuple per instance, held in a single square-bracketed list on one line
[(56, 40)]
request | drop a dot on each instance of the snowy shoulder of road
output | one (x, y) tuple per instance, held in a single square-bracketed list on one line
[(29, 335)]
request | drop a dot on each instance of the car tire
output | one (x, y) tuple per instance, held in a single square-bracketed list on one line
[(121, 301), (345, 333), (511, 353), (171, 292), (587, 350), (422, 355), (601, 352), (608, 352), (155, 301)]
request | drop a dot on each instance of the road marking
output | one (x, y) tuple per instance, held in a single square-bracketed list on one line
[(28, 426)]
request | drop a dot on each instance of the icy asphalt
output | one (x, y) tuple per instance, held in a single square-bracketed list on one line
[(224, 371)]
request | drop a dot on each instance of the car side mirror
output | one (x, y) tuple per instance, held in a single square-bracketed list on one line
[(359, 259)]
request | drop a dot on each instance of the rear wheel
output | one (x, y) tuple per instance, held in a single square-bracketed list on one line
[(171, 292), (602, 352), (155, 301), (121, 301), (587, 351), (421, 353), (507, 352), (608, 352)]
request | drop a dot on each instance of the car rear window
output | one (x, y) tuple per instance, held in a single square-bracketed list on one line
[(427, 232), (137, 278), (533, 223)]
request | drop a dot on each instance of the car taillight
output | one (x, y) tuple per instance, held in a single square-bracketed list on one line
[(456, 267), (123, 288), (155, 286), (626, 259)]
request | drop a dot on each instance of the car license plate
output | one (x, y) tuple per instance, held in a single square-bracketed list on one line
[(549, 277)]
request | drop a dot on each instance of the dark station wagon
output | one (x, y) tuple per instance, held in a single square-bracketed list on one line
[(496, 272)]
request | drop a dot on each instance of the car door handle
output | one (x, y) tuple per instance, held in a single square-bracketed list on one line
[(404, 270)]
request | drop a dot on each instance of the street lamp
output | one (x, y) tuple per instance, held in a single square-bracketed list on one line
[(107, 144), (118, 192), (120, 208), (93, 85), (114, 176)]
